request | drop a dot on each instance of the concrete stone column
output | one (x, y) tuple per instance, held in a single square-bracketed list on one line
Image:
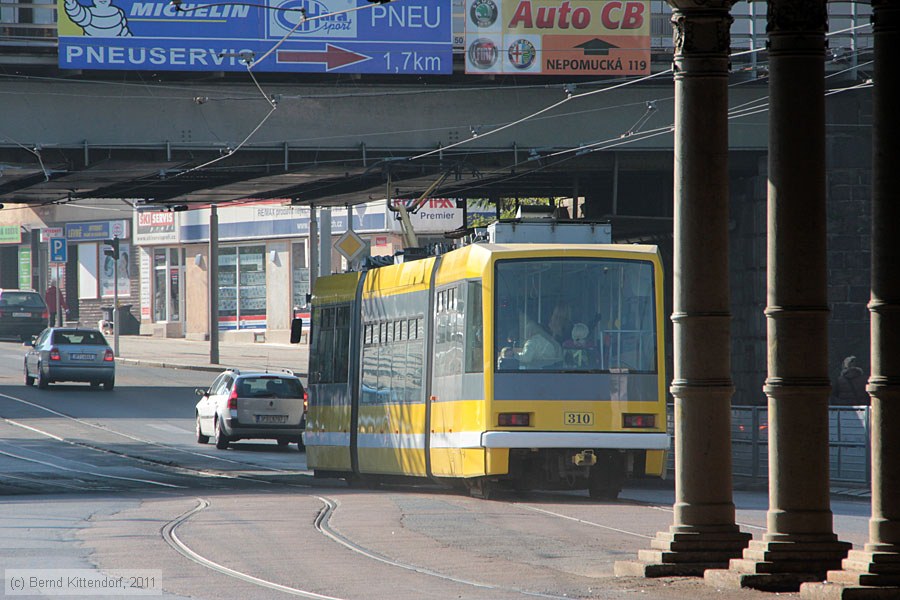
[(799, 544), (874, 572), (704, 534)]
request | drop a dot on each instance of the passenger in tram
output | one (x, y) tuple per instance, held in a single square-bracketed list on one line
[(580, 351), (560, 323)]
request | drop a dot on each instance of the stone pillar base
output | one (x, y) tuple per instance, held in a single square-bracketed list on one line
[(775, 566), (865, 574), (685, 554), (839, 591)]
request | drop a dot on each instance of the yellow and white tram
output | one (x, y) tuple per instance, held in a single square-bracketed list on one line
[(528, 366)]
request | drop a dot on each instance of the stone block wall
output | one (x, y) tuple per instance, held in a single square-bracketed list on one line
[(849, 226)]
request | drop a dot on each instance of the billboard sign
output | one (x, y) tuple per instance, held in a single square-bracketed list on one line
[(96, 230), (154, 227), (346, 36), (437, 215), (558, 37)]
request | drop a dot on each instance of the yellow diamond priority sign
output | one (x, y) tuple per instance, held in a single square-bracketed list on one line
[(350, 245)]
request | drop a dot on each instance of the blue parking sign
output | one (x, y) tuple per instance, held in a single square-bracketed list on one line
[(58, 250)]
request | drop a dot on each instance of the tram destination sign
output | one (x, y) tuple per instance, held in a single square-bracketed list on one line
[(402, 37)]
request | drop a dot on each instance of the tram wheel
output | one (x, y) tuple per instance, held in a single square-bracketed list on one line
[(607, 477), (363, 482), (481, 487), (603, 493)]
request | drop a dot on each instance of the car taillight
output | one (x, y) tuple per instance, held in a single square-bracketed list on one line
[(108, 356), (305, 401), (232, 399), (54, 354), (639, 421), (514, 419), (45, 314)]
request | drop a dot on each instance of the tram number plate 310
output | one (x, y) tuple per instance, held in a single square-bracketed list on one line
[(578, 418)]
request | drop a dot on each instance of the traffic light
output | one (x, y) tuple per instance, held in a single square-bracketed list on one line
[(114, 244)]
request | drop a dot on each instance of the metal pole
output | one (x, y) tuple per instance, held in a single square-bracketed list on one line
[(59, 322), (115, 305), (313, 247), (325, 242), (213, 284)]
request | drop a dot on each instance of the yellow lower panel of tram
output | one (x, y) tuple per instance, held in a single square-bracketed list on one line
[(390, 439), (655, 462), (330, 458)]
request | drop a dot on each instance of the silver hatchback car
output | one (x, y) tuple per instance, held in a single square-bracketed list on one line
[(257, 405), (70, 354)]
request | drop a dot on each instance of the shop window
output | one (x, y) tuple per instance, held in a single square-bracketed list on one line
[(168, 288), (242, 287), (299, 274)]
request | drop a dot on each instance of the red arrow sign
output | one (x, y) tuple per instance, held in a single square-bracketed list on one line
[(334, 57)]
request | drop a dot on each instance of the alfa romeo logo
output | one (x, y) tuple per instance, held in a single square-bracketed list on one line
[(521, 54)]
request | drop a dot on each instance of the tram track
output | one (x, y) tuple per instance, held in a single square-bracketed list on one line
[(170, 535), (169, 532), (322, 525)]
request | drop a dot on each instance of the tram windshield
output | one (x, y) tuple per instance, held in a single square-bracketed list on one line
[(574, 315)]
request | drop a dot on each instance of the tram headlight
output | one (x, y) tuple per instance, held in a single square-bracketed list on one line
[(514, 420), (636, 421)]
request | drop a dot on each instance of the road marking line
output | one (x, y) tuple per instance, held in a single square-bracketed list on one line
[(62, 468)]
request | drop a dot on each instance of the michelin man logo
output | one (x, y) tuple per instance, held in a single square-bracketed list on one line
[(100, 20)]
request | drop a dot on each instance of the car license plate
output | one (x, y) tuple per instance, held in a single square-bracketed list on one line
[(82, 356), (20, 314), (578, 418), (271, 419)]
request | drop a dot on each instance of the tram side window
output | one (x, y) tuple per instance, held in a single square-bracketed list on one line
[(315, 356), (329, 363), (474, 329), (327, 346), (342, 345), (449, 331), (370, 363), (416, 355)]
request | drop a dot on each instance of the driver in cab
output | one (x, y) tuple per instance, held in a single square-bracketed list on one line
[(541, 350)]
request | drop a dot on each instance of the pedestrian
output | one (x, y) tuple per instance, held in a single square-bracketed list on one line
[(53, 294), (851, 384)]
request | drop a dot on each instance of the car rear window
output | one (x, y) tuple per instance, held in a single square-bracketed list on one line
[(269, 387), (79, 338), (22, 299)]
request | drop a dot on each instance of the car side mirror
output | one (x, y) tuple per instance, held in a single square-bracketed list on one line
[(201, 392), (29, 343)]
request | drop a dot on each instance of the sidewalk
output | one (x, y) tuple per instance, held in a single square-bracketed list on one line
[(176, 353)]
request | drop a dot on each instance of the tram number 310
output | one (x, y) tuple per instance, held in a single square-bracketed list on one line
[(578, 418)]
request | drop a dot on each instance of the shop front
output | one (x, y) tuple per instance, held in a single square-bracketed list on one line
[(263, 267)]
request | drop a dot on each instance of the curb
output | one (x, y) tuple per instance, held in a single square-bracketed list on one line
[(207, 368), (165, 365)]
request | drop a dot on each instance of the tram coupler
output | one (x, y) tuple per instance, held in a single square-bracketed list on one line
[(585, 458)]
